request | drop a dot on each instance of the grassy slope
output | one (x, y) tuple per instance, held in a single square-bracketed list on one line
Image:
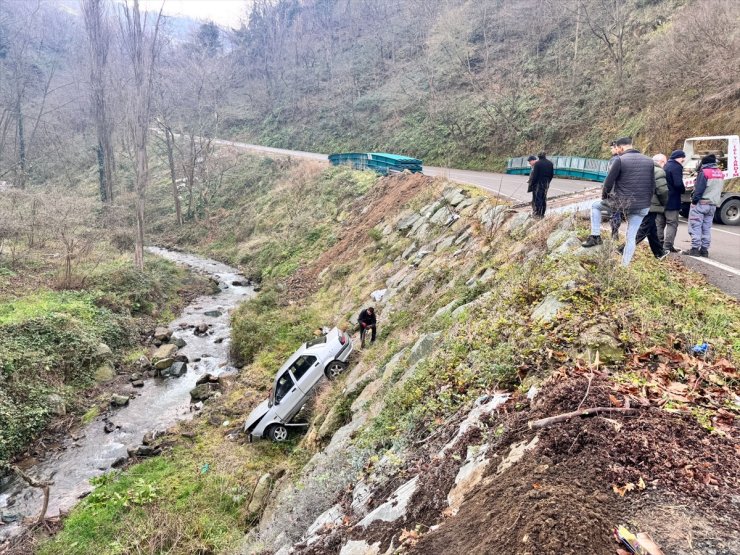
[(178, 504)]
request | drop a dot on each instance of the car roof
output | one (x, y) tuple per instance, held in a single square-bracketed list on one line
[(303, 349)]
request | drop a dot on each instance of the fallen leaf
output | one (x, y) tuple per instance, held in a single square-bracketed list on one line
[(624, 489), (614, 401), (641, 483)]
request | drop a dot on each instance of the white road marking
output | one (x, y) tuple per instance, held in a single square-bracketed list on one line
[(723, 267)]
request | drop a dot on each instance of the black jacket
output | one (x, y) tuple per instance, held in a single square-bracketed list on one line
[(541, 175), (366, 318), (631, 181), (674, 177)]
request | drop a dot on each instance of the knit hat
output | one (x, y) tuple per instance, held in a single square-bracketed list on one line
[(678, 154), (709, 159), (531, 158)]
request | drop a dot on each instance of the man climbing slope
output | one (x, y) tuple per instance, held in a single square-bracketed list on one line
[(367, 321)]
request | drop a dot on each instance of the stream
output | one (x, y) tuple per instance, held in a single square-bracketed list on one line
[(90, 451)]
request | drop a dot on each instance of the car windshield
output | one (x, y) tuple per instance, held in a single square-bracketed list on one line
[(283, 386)]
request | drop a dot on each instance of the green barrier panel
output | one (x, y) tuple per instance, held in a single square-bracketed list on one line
[(591, 169)]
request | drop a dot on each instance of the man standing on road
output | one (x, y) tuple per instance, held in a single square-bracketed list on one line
[(667, 222), (539, 181), (710, 181), (657, 206), (367, 321), (531, 161), (629, 187)]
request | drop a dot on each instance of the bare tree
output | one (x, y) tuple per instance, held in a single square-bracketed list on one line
[(141, 44), (98, 35)]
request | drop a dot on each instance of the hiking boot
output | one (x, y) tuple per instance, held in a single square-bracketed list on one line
[(704, 252), (662, 256), (592, 241), (693, 252)]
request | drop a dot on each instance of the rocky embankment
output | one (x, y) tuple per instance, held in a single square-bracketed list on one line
[(496, 476)]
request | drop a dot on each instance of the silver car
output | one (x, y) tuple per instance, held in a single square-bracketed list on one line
[(324, 356)]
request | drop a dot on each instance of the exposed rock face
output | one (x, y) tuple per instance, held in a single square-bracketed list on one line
[(395, 507), (260, 493), (548, 309), (407, 222)]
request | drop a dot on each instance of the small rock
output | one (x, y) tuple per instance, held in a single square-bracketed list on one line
[(178, 369), (238, 283), (119, 462), (202, 392), (164, 363), (144, 363), (179, 342), (162, 334), (105, 372), (109, 427), (147, 451), (201, 329), (182, 358), (103, 351), (134, 377), (119, 400), (213, 313), (138, 383)]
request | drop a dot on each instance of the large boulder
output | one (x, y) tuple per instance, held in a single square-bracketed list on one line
[(119, 400), (202, 392), (423, 347), (164, 363)]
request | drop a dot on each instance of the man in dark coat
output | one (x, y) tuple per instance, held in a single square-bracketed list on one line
[(539, 182), (667, 222), (629, 187), (617, 215), (367, 321), (657, 206)]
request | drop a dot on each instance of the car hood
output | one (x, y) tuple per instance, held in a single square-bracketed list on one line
[(258, 412)]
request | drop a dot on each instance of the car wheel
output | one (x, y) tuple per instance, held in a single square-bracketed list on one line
[(729, 212), (334, 369), (277, 432)]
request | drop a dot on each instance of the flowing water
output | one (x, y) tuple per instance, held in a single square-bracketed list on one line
[(157, 406)]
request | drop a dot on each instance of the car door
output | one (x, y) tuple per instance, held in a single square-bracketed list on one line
[(288, 398), (305, 370)]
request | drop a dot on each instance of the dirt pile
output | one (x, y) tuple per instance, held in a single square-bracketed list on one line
[(387, 199)]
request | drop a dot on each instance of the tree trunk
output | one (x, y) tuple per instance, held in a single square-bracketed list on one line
[(169, 141), (21, 172)]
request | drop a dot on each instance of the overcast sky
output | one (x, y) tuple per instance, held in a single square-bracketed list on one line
[(224, 12)]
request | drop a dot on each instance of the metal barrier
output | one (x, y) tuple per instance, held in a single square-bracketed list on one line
[(381, 162), (591, 169)]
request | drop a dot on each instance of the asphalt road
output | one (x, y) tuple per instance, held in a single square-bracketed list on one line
[(722, 269)]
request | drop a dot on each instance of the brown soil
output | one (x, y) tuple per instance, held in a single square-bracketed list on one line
[(561, 497), (388, 198)]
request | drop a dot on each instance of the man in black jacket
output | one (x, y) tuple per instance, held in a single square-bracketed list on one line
[(539, 182), (629, 187), (367, 321), (667, 222)]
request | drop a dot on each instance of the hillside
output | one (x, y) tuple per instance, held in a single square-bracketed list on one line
[(470, 83), (489, 321)]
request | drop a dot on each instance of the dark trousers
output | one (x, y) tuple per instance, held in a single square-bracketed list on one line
[(363, 331), (616, 220), (539, 200), (648, 230)]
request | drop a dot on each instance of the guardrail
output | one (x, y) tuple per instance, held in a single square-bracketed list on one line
[(381, 162), (591, 169)]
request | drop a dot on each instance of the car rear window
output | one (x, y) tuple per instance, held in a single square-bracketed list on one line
[(317, 341)]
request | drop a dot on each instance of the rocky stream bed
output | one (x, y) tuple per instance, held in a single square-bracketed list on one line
[(203, 331)]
